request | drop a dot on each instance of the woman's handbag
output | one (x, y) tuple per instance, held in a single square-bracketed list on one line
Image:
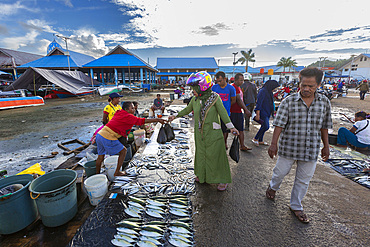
[(234, 149)]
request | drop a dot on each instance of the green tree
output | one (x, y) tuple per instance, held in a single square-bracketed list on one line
[(247, 57), (287, 63)]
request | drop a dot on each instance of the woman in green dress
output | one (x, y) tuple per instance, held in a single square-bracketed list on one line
[(211, 164)]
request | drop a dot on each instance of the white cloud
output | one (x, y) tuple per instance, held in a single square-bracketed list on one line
[(12, 9), (20, 41), (85, 41)]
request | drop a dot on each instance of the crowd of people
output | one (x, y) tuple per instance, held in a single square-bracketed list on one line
[(219, 108)]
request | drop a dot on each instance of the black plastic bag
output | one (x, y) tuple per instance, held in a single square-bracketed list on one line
[(162, 137), (234, 149), (169, 132)]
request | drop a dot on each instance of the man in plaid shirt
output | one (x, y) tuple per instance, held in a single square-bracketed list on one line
[(301, 120)]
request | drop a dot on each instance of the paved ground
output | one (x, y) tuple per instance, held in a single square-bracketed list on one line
[(337, 207)]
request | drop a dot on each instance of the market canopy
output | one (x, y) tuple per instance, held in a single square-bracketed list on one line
[(34, 78)]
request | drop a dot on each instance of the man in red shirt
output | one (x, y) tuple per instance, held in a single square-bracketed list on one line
[(107, 138), (236, 116)]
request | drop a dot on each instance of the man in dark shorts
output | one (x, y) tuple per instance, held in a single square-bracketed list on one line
[(237, 116), (249, 91)]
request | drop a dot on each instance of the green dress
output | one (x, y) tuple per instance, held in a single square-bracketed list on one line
[(211, 164)]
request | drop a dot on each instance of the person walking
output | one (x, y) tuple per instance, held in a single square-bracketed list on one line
[(364, 88), (211, 164), (249, 91), (112, 108), (228, 96), (359, 135), (236, 115), (107, 138), (264, 109), (301, 120)]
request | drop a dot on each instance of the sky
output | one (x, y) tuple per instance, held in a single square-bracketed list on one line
[(303, 30)]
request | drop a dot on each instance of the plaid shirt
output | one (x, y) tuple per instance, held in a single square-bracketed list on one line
[(300, 138)]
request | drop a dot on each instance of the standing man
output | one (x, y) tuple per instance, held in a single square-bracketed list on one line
[(228, 97), (364, 88), (301, 120), (236, 116), (249, 91)]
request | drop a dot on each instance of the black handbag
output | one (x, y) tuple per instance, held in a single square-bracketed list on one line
[(169, 132), (234, 149), (162, 137)]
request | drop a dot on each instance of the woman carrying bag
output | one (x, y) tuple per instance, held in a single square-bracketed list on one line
[(211, 164)]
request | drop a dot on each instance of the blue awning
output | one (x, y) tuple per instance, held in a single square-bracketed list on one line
[(180, 73)]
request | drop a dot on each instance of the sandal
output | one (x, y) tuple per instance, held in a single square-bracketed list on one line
[(263, 143), (255, 142), (301, 216), (221, 187), (270, 193), (245, 148)]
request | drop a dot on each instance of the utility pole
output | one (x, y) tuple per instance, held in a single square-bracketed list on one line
[(67, 54), (234, 53)]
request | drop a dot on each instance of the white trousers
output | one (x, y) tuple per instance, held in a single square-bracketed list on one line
[(304, 173)]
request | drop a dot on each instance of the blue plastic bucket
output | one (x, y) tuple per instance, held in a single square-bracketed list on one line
[(56, 196), (90, 168), (18, 210)]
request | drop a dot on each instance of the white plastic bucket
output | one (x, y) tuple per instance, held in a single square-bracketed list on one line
[(111, 166), (96, 188), (139, 136), (157, 112)]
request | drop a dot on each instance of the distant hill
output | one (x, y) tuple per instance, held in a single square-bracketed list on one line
[(337, 64)]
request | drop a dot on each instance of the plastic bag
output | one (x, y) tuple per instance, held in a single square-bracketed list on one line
[(234, 149), (162, 137), (169, 132)]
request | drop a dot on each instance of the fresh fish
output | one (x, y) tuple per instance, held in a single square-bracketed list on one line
[(128, 224), (132, 213), (138, 200), (178, 201), (133, 220), (178, 242), (186, 219), (175, 205), (145, 243), (154, 207), (125, 237), (155, 222), (133, 236), (121, 242), (179, 229), (152, 228), (153, 240), (181, 224), (154, 214), (178, 213), (185, 237), (151, 234), (155, 203), (127, 231), (135, 204)]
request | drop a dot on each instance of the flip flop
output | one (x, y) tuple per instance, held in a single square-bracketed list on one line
[(245, 148), (221, 187), (255, 142), (300, 215), (270, 193), (263, 143)]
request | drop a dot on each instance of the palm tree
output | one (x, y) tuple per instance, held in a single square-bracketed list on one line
[(247, 57), (287, 63)]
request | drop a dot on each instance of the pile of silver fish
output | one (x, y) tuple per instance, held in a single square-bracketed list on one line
[(352, 169), (156, 221)]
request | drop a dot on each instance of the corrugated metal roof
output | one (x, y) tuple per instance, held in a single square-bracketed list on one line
[(117, 61), (186, 63), (20, 57), (238, 69), (76, 60)]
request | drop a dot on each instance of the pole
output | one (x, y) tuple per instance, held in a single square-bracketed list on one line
[(129, 73), (234, 53), (65, 40)]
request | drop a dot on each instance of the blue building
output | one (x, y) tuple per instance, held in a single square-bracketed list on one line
[(120, 66), (60, 59), (179, 68)]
